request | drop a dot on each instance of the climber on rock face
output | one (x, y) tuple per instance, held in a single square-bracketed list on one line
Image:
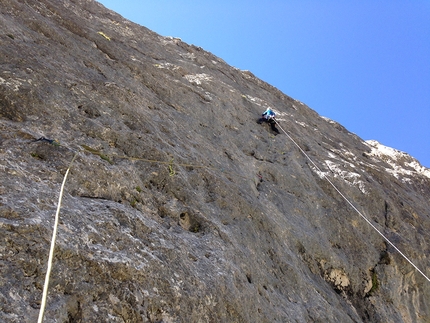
[(269, 116)]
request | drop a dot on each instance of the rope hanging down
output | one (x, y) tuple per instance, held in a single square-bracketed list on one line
[(51, 251), (352, 205), (57, 214), (170, 163)]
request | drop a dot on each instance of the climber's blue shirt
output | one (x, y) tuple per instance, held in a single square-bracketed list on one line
[(268, 113)]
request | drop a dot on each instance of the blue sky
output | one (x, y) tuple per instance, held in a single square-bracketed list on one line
[(364, 64)]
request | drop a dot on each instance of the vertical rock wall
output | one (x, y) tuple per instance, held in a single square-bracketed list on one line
[(179, 206)]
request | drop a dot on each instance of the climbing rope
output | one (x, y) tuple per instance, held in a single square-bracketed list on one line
[(172, 173), (350, 203), (170, 163), (88, 149), (51, 251)]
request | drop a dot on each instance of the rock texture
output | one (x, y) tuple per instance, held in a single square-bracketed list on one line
[(179, 207)]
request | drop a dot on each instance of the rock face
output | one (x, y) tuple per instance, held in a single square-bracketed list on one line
[(179, 207)]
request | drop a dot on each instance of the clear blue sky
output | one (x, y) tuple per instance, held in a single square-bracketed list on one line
[(364, 64)]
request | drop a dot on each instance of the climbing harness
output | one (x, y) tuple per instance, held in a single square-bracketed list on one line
[(350, 203)]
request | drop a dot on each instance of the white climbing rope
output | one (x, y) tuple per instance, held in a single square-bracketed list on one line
[(350, 203), (51, 251)]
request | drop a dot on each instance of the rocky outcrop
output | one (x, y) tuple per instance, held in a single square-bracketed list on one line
[(179, 207)]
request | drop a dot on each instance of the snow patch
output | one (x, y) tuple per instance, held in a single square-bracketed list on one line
[(257, 101), (352, 178), (327, 119), (320, 174), (301, 123), (168, 66), (198, 78), (134, 59), (170, 40), (341, 164), (402, 164), (190, 56), (13, 84), (248, 74), (299, 102)]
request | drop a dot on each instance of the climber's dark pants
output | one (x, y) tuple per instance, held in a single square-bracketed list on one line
[(271, 122)]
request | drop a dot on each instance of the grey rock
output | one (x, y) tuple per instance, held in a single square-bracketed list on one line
[(179, 207)]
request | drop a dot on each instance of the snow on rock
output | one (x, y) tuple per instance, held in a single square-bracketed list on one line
[(342, 165), (257, 101), (170, 40), (352, 178), (301, 123), (327, 119), (402, 164), (198, 78), (168, 66)]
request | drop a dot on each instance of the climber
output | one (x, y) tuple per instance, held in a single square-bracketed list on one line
[(269, 116)]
